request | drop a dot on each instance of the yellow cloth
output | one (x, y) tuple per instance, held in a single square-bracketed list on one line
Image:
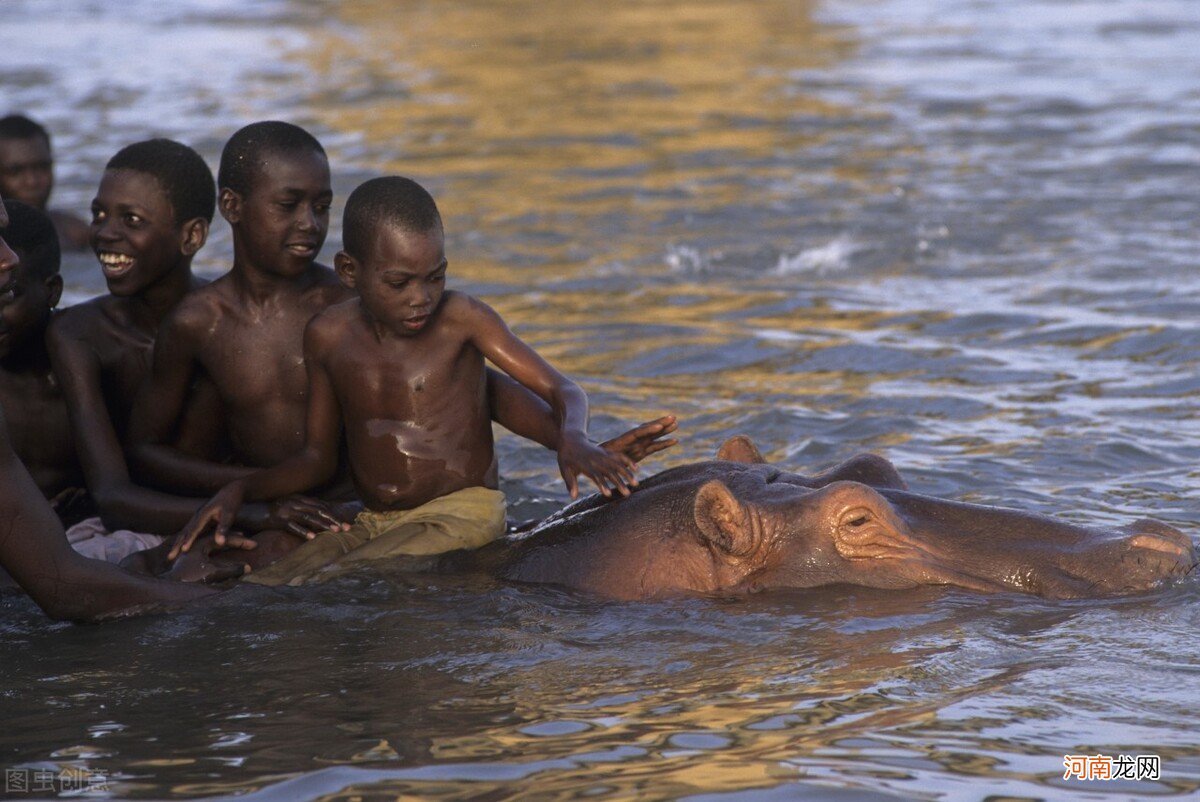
[(465, 519)]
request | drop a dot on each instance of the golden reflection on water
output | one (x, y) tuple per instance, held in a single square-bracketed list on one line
[(527, 109)]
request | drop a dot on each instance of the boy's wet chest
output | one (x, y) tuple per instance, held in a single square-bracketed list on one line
[(255, 359), (409, 379)]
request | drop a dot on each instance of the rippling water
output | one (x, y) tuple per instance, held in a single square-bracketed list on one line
[(960, 233)]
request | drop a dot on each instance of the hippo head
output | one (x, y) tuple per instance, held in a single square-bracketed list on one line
[(788, 530), (738, 525)]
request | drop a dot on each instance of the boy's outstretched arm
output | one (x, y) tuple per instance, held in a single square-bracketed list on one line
[(517, 409), (65, 584), (576, 453), (313, 465)]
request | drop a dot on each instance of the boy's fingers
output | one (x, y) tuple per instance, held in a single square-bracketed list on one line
[(570, 479), (235, 541), (184, 542), (599, 481), (223, 531)]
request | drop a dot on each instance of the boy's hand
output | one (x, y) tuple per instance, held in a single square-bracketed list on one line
[(642, 441), (218, 513), (198, 566), (304, 516), (68, 499), (578, 455)]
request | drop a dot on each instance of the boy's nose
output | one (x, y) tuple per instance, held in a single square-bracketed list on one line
[(308, 219), (8, 258), (104, 231)]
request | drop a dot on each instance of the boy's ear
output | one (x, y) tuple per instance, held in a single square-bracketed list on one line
[(347, 268), (54, 288), (195, 234), (230, 204)]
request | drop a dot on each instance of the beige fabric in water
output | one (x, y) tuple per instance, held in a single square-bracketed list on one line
[(90, 538), (464, 519)]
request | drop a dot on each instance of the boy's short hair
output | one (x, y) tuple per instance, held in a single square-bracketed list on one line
[(18, 126), (179, 170), (31, 231), (394, 201), (250, 146)]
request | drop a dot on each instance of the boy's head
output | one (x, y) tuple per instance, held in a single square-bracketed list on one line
[(394, 252), (276, 194), (29, 292), (151, 213), (26, 166)]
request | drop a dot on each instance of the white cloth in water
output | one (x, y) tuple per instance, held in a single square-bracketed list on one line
[(90, 538)]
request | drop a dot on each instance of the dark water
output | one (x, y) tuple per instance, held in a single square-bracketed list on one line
[(960, 233)]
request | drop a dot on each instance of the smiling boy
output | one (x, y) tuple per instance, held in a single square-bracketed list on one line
[(399, 375), (39, 427), (149, 218), (27, 175)]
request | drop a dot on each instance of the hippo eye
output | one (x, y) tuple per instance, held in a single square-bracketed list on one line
[(772, 477), (856, 518)]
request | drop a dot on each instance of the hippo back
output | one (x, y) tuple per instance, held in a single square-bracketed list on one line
[(603, 542)]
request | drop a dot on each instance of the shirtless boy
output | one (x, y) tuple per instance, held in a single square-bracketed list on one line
[(39, 428), (33, 548), (27, 175), (149, 218), (400, 370), (245, 333)]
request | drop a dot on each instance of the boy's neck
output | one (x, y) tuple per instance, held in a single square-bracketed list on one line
[(261, 285), (148, 307)]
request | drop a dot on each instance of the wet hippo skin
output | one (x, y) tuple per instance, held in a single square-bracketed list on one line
[(737, 525)]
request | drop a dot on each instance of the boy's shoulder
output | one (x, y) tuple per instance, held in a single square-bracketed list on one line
[(87, 318), (201, 308), (458, 307), (323, 281), (335, 322)]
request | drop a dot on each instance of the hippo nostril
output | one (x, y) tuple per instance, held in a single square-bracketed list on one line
[(1156, 542)]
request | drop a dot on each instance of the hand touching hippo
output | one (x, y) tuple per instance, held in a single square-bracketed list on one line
[(738, 525)]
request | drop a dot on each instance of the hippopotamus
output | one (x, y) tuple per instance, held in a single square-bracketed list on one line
[(738, 525)]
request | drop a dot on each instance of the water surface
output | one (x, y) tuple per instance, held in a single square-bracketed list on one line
[(961, 234)]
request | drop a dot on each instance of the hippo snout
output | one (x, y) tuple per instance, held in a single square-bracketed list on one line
[(1160, 549)]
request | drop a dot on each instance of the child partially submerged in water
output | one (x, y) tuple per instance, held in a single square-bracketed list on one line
[(400, 370)]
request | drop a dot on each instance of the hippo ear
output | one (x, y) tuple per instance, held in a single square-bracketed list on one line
[(724, 522), (739, 448)]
